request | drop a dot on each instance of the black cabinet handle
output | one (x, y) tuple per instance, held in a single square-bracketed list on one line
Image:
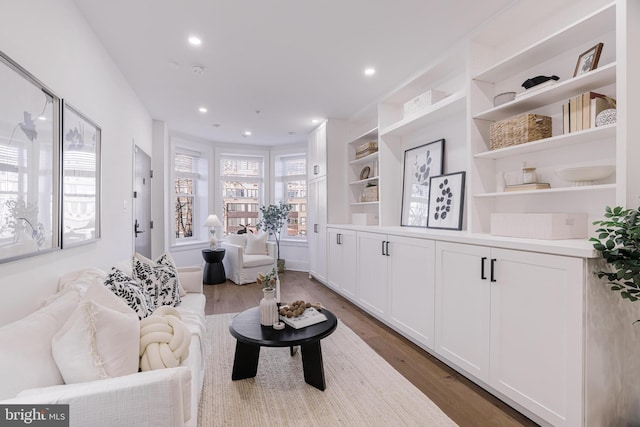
[(493, 261), (339, 238), (387, 248), (482, 275), (316, 169), (315, 228), (383, 248)]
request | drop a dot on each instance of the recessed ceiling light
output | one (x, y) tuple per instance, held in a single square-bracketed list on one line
[(315, 121), (247, 133), (42, 118), (202, 109), (197, 69), (292, 133), (216, 125), (195, 41), (369, 71)]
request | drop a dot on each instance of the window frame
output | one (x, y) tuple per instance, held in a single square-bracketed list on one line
[(298, 150)]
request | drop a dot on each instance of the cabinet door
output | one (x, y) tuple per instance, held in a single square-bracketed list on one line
[(348, 272), (372, 273), (334, 258), (317, 152), (536, 333), (411, 287), (462, 295), (316, 228)]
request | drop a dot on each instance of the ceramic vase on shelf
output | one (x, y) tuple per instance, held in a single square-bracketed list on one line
[(268, 308)]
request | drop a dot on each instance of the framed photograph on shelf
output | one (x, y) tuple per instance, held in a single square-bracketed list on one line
[(446, 201), (29, 164), (588, 60), (80, 178), (420, 164)]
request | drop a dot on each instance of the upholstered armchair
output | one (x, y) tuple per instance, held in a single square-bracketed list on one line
[(246, 256)]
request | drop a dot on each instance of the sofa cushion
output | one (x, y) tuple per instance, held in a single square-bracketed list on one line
[(131, 292), (256, 244), (159, 278), (257, 260), (99, 340), (237, 239), (26, 360)]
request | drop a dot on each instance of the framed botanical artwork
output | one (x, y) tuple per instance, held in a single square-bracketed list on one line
[(420, 164), (80, 178), (446, 201), (29, 164), (588, 60)]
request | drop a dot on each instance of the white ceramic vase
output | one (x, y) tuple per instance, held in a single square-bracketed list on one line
[(268, 308)]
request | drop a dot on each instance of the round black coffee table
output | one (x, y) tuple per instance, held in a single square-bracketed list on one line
[(250, 336)]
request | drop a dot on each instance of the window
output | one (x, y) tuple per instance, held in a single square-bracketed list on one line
[(189, 195), (291, 188), (242, 181)]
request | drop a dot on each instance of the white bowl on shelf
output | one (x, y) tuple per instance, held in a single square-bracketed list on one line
[(585, 175)]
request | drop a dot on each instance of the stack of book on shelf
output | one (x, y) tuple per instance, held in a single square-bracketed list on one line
[(525, 187), (580, 112)]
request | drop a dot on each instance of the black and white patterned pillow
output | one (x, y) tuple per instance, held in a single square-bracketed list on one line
[(131, 292), (159, 279)]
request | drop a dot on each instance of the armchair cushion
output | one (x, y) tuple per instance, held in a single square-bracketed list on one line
[(256, 244), (256, 260), (237, 239)]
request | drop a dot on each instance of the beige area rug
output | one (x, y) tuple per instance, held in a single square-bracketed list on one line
[(362, 388)]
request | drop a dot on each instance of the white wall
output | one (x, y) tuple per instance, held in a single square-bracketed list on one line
[(52, 41)]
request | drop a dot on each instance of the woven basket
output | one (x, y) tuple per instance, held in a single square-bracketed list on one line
[(366, 149), (519, 129)]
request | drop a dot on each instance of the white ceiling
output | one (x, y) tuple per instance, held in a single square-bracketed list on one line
[(293, 60)]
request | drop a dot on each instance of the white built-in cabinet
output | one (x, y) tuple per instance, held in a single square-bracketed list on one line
[(524, 336), (317, 227), (395, 282), (513, 320), (342, 262), (326, 150)]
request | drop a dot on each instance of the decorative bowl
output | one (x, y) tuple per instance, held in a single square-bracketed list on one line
[(585, 175), (503, 98), (606, 117)]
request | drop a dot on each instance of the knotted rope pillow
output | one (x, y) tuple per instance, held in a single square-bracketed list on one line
[(164, 339)]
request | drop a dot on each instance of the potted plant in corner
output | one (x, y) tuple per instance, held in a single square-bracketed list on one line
[(618, 242), (273, 219)]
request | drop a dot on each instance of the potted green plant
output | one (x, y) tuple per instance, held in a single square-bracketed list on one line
[(273, 219), (618, 242)]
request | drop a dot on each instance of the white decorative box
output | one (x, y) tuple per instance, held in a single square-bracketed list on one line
[(546, 226), (422, 101), (364, 219)]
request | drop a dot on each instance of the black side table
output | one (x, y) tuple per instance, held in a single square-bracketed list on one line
[(213, 268)]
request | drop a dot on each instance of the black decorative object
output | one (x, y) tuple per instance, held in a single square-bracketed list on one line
[(535, 81)]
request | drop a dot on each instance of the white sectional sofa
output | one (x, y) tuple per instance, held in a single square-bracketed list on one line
[(161, 397)]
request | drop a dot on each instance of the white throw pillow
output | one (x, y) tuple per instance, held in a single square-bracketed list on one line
[(237, 239), (159, 278), (256, 244), (26, 360), (100, 339)]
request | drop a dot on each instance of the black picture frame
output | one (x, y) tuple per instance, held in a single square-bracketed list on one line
[(446, 201), (420, 164)]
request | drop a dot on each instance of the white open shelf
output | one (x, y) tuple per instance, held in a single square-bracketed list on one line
[(364, 181), (551, 46), (560, 91), (365, 159), (559, 141), (449, 105), (602, 187)]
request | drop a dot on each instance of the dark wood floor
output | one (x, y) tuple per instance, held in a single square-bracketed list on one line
[(463, 401)]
